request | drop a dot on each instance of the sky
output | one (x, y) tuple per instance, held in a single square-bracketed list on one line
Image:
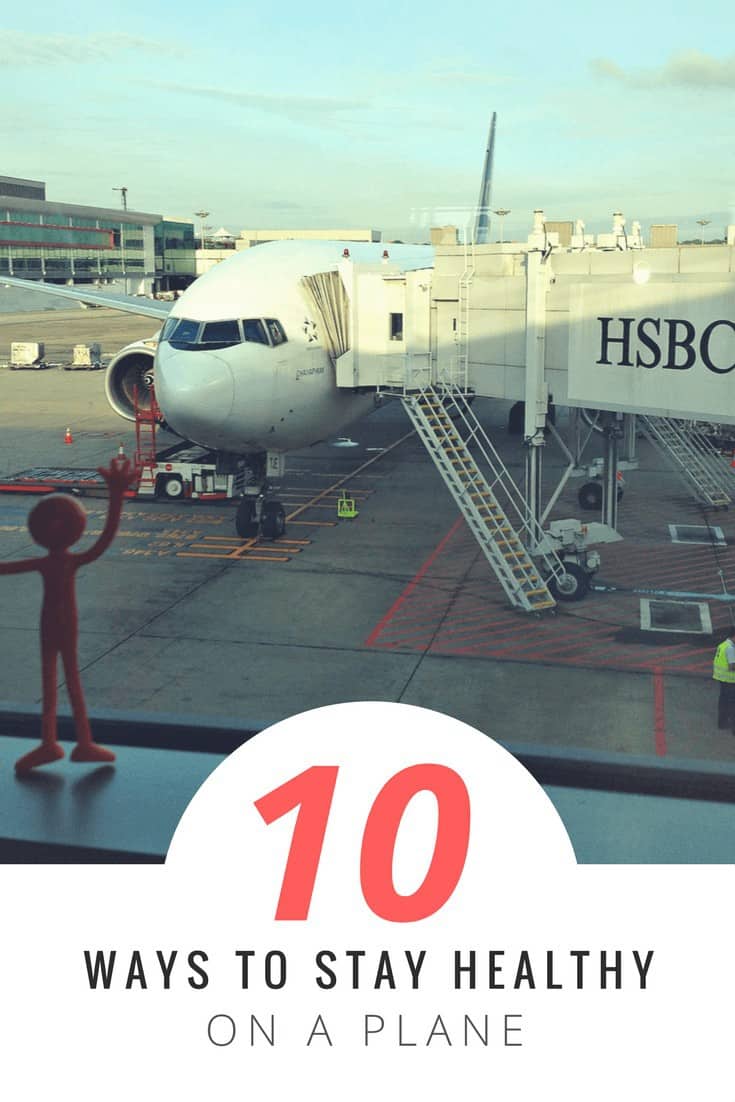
[(291, 115)]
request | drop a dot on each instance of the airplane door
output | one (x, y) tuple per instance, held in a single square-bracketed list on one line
[(446, 334)]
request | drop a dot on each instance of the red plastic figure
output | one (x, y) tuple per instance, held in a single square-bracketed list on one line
[(56, 523)]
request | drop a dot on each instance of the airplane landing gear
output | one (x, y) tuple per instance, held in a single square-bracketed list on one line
[(272, 520), (246, 524), (271, 523), (257, 513)]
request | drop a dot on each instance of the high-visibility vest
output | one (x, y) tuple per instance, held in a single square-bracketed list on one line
[(721, 670)]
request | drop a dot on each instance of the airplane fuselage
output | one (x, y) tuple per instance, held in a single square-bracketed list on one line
[(268, 382)]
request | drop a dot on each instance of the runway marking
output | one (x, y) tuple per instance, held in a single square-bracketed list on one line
[(437, 615), (397, 604), (222, 547), (315, 523), (353, 474)]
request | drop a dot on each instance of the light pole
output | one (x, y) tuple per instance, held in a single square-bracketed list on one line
[(201, 215), (703, 222), (124, 196), (501, 213)]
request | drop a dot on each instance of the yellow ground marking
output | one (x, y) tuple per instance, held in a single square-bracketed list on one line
[(223, 547), (315, 523), (362, 495), (229, 548), (353, 474), (233, 541)]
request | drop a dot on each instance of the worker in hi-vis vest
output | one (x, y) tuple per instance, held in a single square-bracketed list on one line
[(724, 672)]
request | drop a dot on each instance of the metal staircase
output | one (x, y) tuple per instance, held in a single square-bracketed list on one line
[(486, 494), (692, 456)]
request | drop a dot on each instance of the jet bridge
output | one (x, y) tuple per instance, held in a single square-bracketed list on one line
[(623, 330), (390, 326), (629, 331), (637, 331)]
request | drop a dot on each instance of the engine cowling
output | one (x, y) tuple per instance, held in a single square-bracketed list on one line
[(132, 367)]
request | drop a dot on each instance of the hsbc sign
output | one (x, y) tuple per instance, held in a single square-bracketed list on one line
[(666, 348), (670, 343)]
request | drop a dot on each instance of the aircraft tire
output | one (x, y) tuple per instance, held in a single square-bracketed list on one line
[(246, 525), (272, 520), (572, 585)]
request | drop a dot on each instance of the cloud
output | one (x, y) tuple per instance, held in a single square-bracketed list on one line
[(684, 69), (295, 108), (19, 48)]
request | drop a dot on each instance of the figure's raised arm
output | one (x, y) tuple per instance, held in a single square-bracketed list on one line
[(21, 566), (118, 477)]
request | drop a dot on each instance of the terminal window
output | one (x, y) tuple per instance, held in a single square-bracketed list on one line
[(396, 327)]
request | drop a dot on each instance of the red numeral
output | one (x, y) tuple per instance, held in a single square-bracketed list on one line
[(312, 793), (450, 846)]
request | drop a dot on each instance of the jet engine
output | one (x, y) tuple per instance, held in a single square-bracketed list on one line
[(131, 368)]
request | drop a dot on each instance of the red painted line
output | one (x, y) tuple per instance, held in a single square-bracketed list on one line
[(659, 718), (416, 612), (582, 638), (471, 621), (397, 636), (374, 634)]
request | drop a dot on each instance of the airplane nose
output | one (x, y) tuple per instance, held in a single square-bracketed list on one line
[(195, 391)]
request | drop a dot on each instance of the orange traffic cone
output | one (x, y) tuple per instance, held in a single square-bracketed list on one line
[(68, 438)]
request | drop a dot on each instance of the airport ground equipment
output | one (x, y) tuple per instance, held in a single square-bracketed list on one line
[(85, 357), (527, 564), (181, 472), (693, 456), (590, 493), (27, 356), (569, 540), (184, 470), (346, 506), (80, 481), (188, 471)]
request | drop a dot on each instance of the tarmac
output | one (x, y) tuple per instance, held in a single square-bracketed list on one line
[(396, 604)]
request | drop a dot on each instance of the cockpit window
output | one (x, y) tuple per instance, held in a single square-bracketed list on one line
[(185, 332), (275, 331), (168, 328), (254, 330), (221, 333), (193, 336)]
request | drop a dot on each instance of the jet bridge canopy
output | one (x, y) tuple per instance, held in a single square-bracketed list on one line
[(326, 295)]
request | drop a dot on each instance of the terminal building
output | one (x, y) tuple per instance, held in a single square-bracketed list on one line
[(137, 252), (60, 242)]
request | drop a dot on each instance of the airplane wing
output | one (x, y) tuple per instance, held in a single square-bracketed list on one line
[(128, 304)]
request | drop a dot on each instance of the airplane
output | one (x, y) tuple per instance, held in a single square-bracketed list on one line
[(241, 365)]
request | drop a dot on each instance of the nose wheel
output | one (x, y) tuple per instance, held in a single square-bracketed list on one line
[(246, 523), (272, 520), (270, 524)]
